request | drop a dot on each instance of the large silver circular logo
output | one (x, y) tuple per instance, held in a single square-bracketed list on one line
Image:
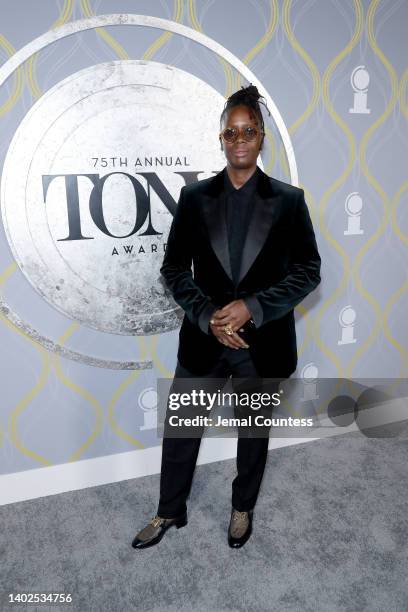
[(90, 186), (51, 261)]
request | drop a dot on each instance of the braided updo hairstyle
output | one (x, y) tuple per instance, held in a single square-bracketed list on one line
[(250, 97)]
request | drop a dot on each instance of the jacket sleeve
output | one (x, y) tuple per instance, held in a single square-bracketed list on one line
[(303, 274), (255, 309), (176, 270)]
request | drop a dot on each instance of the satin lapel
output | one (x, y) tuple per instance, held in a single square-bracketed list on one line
[(265, 209), (262, 219), (214, 213)]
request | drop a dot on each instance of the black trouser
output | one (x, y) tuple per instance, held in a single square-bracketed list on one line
[(179, 455)]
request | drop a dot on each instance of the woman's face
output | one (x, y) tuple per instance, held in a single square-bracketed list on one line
[(241, 154)]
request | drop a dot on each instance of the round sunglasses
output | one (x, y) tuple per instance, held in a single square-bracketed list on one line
[(248, 133)]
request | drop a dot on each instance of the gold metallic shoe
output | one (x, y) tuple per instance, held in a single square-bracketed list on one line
[(155, 530), (240, 528)]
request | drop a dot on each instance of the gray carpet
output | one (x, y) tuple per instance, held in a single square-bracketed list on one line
[(330, 534)]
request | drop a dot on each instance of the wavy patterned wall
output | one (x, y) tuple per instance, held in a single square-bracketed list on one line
[(350, 153)]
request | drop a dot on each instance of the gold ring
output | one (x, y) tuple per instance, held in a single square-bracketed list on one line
[(228, 329)]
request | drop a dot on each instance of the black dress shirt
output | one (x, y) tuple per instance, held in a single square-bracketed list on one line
[(238, 215)]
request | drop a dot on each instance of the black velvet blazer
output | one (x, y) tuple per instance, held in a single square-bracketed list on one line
[(280, 267)]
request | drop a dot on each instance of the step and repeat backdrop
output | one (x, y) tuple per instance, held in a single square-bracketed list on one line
[(107, 108)]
